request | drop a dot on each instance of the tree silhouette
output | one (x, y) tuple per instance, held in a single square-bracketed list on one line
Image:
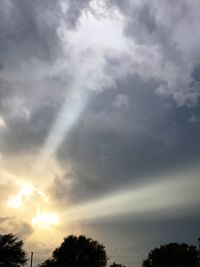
[(78, 252), (11, 251), (173, 255), (116, 265)]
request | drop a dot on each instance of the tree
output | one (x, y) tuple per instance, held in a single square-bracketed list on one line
[(116, 265), (78, 252), (11, 251), (173, 255)]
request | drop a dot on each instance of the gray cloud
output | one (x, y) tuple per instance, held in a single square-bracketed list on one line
[(121, 101), (26, 135), (28, 30), (138, 238), (14, 225), (194, 119), (112, 147), (29, 40), (37, 68), (167, 44), (74, 10), (32, 88), (32, 33), (119, 145)]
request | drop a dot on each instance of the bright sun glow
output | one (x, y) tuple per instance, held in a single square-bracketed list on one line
[(30, 195), (16, 202), (45, 220)]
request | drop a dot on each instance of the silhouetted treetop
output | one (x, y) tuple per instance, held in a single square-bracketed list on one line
[(173, 255), (11, 251), (78, 252)]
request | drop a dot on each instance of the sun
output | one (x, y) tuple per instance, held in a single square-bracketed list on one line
[(34, 202), (16, 202), (45, 220)]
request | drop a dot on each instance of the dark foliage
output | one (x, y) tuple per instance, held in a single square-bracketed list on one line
[(11, 251), (173, 255), (78, 252)]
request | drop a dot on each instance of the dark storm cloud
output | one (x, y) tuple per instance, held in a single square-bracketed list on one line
[(138, 238), (27, 135), (28, 30), (31, 87), (113, 146), (29, 110), (196, 73), (27, 115), (124, 133)]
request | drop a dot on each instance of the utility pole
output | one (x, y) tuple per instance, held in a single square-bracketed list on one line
[(31, 265), (199, 243)]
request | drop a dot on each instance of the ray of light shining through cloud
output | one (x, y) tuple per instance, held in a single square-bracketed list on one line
[(158, 199), (68, 116), (100, 33)]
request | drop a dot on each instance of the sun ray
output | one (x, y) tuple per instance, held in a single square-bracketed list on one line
[(88, 71), (45, 220), (67, 117), (154, 199)]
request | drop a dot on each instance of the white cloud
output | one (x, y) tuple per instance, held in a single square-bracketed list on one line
[(194, 119), (165, 45), (121, 100), (2, 123)]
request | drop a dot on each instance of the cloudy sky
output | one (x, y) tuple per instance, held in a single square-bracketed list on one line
[(100, 123)]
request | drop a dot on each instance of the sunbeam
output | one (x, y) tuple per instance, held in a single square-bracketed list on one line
[(88, 67), (67, 117), (156, 199)]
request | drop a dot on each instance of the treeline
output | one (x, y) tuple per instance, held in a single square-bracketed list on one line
[(80, 251)]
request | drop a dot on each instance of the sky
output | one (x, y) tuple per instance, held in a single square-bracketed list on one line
[(100, 123)]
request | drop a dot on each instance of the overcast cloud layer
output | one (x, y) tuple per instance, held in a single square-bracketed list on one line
[(111, 91)]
